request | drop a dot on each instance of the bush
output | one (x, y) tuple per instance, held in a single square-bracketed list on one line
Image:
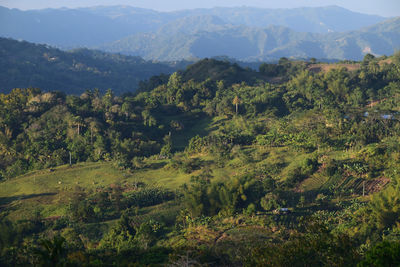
[(205, 198), (270, 202), (185, 164), (147, 233), (148, 197)]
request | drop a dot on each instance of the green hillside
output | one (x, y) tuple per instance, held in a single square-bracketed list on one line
[(214, 165), (24, 64)]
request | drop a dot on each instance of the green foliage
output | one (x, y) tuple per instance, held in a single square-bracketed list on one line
[(148, 197), (385, 207), (382, 254), (82, 211), (307, 167), (147, 233), (315, 247), (166, 149), (271, 202), (196, 144), (196, 196), (73, 71), (304, 143), (185, 164), (119, 238), (203, 197), (52, 252), (8, 236)]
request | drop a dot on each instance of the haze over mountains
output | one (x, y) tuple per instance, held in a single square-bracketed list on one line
[(253, 44), (244, 33)]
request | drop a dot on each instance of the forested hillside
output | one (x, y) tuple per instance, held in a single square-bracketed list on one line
[(24, 64), (296, 164)]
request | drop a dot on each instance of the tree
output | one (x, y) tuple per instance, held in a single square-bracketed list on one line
[(386, 207), (337, 82), (196, 198), (146, 233), (148, 119), (175, 81), (367, 59), (52, 252), (94, 127), (270, 69), (76, 121), (236, 102), (127, 108), (270, 202), (166, 149), (120, 237), (382, 254), (108, 99)]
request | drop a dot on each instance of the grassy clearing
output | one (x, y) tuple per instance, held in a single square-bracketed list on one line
[(63, 178), (161, 176), (48, 192)]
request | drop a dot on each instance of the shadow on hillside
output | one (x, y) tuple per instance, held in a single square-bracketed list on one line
[(196, 125), (7, 200), (156, 165)]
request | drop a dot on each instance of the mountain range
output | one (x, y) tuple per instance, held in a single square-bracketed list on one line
[(185, 38), (244, 33)]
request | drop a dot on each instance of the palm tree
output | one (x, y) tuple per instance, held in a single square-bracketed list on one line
[(78, 122), (74, 121), (236, 102), (94, 126)]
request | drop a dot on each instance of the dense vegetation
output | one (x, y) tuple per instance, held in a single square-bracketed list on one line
[(208, 166), (24, 64)]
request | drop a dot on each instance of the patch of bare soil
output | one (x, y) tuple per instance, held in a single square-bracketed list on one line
[(327, 67)]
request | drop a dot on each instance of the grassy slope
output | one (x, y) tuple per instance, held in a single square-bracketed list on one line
[(48, 191)]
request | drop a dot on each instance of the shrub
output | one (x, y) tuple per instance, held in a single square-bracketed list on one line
[(148, 197), (187, 165)]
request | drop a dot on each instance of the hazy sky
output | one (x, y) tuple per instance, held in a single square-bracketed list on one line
[(380, 7)]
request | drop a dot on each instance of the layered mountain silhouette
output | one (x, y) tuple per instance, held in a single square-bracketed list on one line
[(244, 33), (184, 38)]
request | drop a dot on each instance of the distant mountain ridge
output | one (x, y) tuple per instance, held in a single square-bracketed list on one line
[(306, 19), (102, 24), (257, 44), (245, 33)]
